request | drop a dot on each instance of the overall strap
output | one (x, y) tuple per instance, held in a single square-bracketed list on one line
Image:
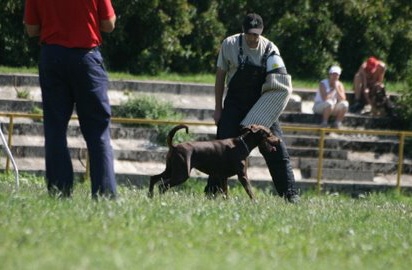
[(266, 55), (240, 57)]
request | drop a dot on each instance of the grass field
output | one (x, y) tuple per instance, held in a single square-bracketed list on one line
[(184, 230)]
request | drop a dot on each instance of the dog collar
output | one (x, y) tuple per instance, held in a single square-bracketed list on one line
[(247, 148)]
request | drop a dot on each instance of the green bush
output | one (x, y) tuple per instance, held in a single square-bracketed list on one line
[(148, 35), (148, 107), (403, 104)]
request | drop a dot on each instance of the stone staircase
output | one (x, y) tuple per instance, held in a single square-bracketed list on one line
[(354, 159)]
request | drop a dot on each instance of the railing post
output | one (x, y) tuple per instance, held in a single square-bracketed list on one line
[(320, 159), (400, 160), (9, 140)]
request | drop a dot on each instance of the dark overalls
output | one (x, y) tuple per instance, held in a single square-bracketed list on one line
[(244, 90), (68, 78)]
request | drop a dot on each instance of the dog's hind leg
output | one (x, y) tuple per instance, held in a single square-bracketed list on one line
[(164, 185), (153, 180), (168, 183), (175, 178), (180, 172), (156, 178)]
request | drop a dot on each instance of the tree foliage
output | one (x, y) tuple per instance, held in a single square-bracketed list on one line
[(184, 35), (16, 49)]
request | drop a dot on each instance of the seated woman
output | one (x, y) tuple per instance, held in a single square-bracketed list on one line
[(330, 99)]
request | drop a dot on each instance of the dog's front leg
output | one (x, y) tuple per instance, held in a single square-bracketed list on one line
[(243, 179), (153, 180), (224, 187)]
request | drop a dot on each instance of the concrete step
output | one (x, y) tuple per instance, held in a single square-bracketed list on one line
[(354, 142), (138, 174), (351, 169), (352, 164), (129, 150), (185, 103), (339, 174), (336, 146), (306, 141), (292, 115), (127, 169), (24, 81), (366, 156), (350, 120)]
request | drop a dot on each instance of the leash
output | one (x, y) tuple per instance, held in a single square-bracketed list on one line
[(247, 147)]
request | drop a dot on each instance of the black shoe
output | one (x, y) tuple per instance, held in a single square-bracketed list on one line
[(293, 198), (356, 108), (57, 193)]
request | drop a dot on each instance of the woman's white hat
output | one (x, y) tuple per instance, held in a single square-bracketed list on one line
[(335, 69)]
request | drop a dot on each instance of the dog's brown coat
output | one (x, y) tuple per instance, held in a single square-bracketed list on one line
[(218, 158)]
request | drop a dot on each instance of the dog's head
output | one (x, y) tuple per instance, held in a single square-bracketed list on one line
[(379, 100), (379, 96), (257, 135)]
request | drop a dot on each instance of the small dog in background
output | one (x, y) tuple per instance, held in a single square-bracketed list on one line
[(381, 105), (217, 158)]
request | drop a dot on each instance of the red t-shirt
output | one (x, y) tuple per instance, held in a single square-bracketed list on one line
[(69, 23)]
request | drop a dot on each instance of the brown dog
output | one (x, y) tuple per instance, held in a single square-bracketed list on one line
[(218, 158), (380, 101)]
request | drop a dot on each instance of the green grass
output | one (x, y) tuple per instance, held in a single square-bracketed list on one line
[(23, 70), (173, 77), (183, 230), (202, 78)]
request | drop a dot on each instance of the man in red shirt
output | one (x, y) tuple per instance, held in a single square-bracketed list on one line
[(366, 81), (72, 75)]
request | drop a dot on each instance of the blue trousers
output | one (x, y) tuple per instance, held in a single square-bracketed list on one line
[(76, 78)]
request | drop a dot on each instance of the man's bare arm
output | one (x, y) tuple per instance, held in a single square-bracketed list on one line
[(32, 30), (219, 87), (219, 90), (381, 74), (108, 25)]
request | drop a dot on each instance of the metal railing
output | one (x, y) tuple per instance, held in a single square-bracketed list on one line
[(321, 131)]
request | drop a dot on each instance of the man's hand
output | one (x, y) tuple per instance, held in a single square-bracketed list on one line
[(33, 30), (216, 115)]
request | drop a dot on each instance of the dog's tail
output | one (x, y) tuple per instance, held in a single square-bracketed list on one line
[(172, 134)]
